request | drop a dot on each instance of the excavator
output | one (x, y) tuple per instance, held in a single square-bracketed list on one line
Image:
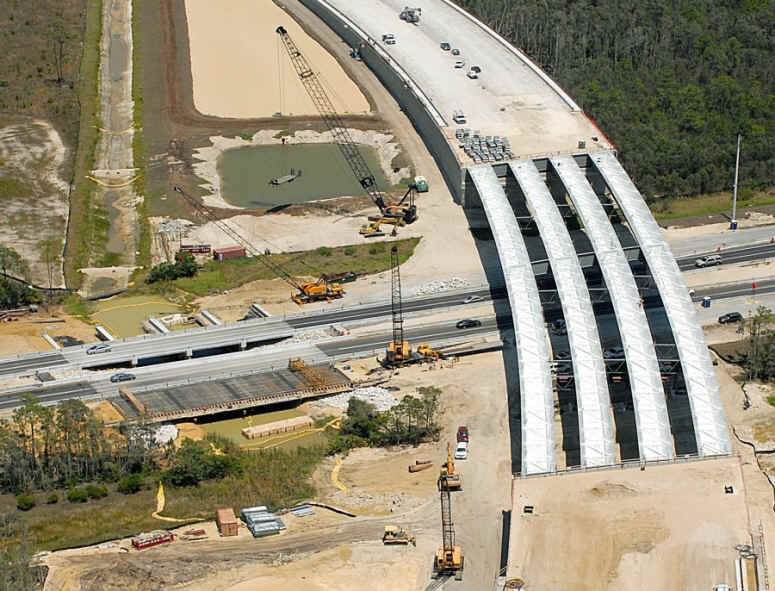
[(451, 479), (403, 210), (449, 559), (399, 352), (322, 289)]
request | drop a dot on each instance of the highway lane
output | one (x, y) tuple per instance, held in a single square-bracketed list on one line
[(251, 331)]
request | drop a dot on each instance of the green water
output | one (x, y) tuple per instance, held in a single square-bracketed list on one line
[(245, 174), (124, 316)]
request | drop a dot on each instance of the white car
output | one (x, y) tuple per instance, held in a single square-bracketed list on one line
[(460, 63), (461, 453), (472, 74), (472, 299)]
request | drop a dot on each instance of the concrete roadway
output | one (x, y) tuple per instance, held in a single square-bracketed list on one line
[(247, 362), (259, 330)]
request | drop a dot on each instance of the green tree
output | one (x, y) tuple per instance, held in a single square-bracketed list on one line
[(11, 262)]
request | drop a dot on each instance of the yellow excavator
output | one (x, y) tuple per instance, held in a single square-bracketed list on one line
[(315, 291), (452, 479)]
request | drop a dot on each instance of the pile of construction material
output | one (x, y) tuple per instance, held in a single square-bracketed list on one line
[(154, 538), (284, 426), (164, 434), (379, 397), (261, 522), (440, 285)]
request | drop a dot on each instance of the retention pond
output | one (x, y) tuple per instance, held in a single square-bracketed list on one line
[(318, 172)]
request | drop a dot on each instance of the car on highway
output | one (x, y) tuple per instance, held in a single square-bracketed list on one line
[(445, 46), (462, 433), (469, 323), (562, 354), (730, 317), (614, 353), (472, 75), (472, 299), (708, 260), (455, 51), (460, 64), (122, 377), (461, 453), (389, 39), (98, 348)]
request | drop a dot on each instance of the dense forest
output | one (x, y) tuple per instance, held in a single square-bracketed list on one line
[(670, 83)]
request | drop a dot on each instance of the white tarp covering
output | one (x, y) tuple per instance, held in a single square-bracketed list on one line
[(535, 379), (595, 423), (710, 426), (654, 439)]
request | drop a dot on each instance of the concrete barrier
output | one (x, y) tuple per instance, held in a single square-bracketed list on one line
[(417, 106), (103, 334), (212, 318)]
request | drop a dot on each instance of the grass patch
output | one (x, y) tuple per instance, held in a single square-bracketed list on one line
[(83, 236), (363, 259), (77, 306), (682, 207), (110, 259), (275, 478), (771, 400)]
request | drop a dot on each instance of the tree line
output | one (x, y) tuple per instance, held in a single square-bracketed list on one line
[(671, 83), (411, 421)]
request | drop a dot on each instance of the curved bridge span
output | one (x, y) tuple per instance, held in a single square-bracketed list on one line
[(529, 165)]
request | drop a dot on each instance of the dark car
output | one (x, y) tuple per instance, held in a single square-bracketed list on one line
[(730, 317), (562, 355), (122, 377), (468, 323), (462, 433), (559, 327)]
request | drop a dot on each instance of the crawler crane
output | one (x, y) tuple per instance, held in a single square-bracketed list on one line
[(405, 212), (449, 559)]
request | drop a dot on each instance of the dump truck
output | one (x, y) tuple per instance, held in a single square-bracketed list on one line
[(395, 534)]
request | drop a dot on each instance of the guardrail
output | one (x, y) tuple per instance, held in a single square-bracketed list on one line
[(626, 464)]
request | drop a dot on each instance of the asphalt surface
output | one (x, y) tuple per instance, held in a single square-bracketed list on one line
[(212, 339)]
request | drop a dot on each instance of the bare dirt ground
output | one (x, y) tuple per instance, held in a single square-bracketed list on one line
[(25, 335), (33, 197), (329, 551), (250, 75)]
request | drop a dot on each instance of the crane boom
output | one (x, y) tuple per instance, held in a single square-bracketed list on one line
[(333, 121), (234, 235)]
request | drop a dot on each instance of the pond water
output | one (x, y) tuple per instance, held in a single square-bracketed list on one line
[(245, 174)]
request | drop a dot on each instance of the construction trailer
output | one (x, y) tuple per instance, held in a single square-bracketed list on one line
[(226, 521), (229, 252)]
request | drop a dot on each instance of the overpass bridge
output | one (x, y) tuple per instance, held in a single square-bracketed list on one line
[(559, 173)]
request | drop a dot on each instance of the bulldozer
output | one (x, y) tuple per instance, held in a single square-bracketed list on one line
[(316, 291), (448, 476), (395, 534)]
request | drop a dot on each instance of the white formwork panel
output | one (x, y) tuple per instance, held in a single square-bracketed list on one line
[(595, 423), (648, 396), (535, 378), (710, 424)]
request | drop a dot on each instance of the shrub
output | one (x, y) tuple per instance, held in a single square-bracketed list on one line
[(96, 492), (130, 484), (373, 250), (25, 502), (77, 495), (52, 498), (325, 251), (349, 251)]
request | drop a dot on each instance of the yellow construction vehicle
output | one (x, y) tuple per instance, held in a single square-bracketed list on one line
[(374, 227), (449, 559), (399, 352), (316, 291), (452, 480), (395, 534)]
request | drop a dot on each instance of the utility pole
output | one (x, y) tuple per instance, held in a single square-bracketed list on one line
[(733, 223)]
